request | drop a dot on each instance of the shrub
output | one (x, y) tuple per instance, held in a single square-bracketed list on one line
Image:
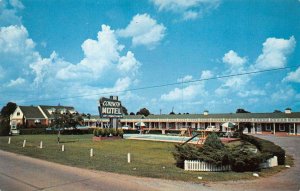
[(120, 132), (32, 131), (113, 131), (267, 148), (242, 159), (131, 131), (101, 132), (96, 132), (213, 151), (185, 152), (155, 132), (105, 132)]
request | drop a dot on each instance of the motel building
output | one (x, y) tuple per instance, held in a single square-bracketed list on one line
[(284, 123)]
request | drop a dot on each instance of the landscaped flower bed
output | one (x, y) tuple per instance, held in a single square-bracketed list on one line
[(240, 157), (107, 133)]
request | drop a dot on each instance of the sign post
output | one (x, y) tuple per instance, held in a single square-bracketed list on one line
[(111, 108)]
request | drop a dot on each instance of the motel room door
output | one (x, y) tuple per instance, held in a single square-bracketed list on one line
[(291, 129), (298, 129)]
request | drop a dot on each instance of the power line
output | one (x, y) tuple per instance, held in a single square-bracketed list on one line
[(168, 84)]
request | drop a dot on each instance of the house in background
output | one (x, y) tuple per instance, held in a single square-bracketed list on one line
[(33, 116)]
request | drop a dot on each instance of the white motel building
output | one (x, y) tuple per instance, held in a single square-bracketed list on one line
[(281, 123)]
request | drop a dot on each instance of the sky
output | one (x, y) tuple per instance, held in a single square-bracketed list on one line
[(73, 52)]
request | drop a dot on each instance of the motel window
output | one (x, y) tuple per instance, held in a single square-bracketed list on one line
[(268, 127), (281, 127), (18, 113)]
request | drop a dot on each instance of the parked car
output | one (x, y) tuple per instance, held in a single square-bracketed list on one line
[(126, 127)]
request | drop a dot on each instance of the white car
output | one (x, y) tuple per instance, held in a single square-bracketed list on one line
[(125, 127)]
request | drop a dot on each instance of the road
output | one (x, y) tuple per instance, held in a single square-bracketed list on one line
[(19, 172)]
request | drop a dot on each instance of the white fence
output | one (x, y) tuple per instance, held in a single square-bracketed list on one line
[(193, 165), (270, 163)]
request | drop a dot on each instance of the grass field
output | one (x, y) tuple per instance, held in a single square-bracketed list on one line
[(148, 158)]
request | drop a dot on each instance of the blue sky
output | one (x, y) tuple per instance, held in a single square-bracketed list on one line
[(74, 52)]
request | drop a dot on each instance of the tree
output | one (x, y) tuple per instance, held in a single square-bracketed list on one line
[(172, 113), (131, 113), (124, 110), (65, 120), (7, 110), (277, 111), (4, 126), (144, 112), (241, 110)]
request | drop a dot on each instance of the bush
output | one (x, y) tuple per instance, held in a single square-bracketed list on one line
[(185, 152), (113, 131), (120, 132), (96, 132), (32, 131), (105, 132), (267, 148), (213, 151), (243, 159), (131, 131), (155, 132)]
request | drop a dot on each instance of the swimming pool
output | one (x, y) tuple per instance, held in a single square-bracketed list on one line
[(163, 138)]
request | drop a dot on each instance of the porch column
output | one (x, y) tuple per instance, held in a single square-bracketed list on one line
[(294, 128), (274, 128), (253, 128), (133, 125), (167, 125), (102, 124)]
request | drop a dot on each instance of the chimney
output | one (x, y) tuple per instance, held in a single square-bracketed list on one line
[(205, 112), (288, 111)]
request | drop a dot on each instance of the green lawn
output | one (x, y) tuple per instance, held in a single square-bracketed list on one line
[(148, 158)]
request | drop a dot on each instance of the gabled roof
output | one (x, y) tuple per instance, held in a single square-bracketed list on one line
[(31, 112), (45, 109)]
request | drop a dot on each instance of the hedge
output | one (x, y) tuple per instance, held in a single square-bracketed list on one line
[(154, 132), (35, 131), (267, 148), (32, 131), (131, 131)]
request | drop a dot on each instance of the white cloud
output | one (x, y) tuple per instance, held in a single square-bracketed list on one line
[(8, 12), (275, 52), (16, 4), (283, 94), (16, 82), (185, 78), (253, 92), (128, 63), (101, 56), (189, 9), (293, 76), (14, 39), (206, 74), (187, 93), (144, 30), (235, 83), (190, 15), (233, 59), (53, 74)]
